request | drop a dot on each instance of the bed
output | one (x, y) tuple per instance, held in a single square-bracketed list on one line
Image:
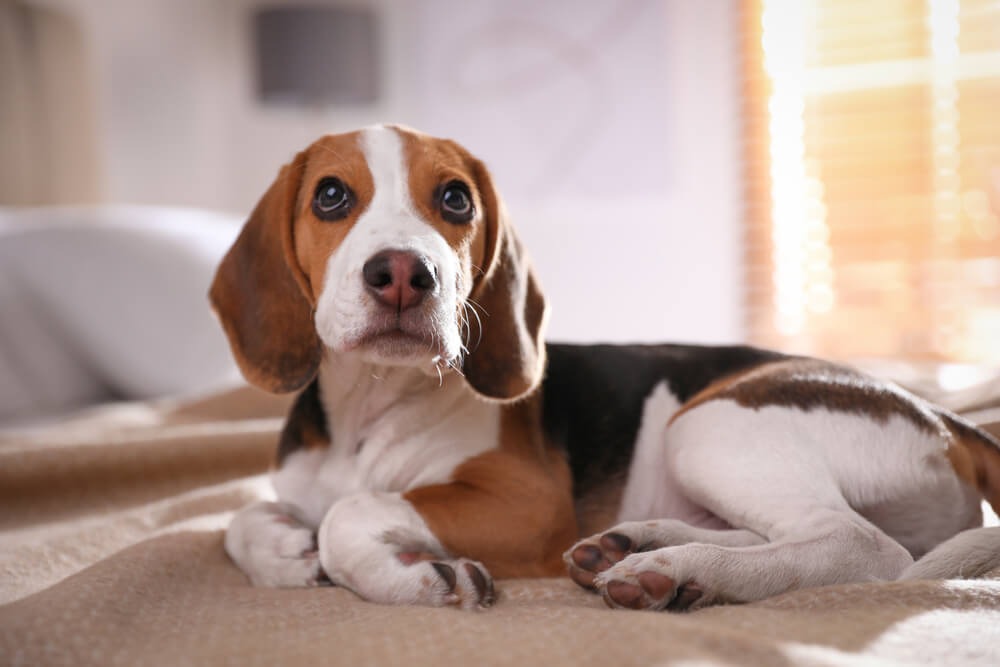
[(111, 553)]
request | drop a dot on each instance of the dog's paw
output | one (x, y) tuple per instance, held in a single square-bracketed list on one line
[(291, 560), (589, 557), (461, 582), (648, 581), (274, 549)]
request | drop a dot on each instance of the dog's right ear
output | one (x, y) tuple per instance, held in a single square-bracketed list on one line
[(259, 293)]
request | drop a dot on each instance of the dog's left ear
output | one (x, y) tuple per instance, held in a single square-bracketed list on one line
[(509, 360)]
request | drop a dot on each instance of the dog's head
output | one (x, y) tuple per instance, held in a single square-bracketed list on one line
[(389, 245)]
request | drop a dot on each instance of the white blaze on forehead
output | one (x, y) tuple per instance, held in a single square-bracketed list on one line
[(383, 149), (391, 220)]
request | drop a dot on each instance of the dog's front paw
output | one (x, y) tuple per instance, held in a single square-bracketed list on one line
[(421, 579), (460, 582), (377, 546), (273, 548), (648, 581), (295, 562)]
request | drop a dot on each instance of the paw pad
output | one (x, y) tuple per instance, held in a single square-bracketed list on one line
[(656, 585), (590, 558), (616, 542), (624, 594)]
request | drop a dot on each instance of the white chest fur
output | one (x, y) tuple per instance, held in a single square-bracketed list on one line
[(392, 429)]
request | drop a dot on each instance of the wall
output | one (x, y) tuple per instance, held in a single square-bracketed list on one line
[(611, 127)]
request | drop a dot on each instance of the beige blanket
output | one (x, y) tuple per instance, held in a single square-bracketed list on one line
[(111, 553)]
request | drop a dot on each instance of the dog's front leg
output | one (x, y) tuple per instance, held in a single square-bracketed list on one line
[(501, 513), (377, 545)]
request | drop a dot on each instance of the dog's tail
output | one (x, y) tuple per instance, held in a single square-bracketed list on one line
[(968, 555), (975, 455)]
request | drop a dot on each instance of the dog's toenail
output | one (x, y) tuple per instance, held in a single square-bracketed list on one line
[(491, 593), (478, 580), (446, 573)]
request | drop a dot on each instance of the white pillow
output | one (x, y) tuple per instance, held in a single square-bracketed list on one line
[(108, 302)]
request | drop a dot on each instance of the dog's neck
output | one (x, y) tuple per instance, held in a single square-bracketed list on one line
[(358, 396)]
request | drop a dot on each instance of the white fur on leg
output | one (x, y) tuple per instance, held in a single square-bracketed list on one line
[(657, 534), (835, 548), (273, 547), (793, 478), (360, 543), (970, 554), (660, 533)]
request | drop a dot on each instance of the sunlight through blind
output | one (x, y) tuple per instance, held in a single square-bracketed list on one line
[(873, 177)]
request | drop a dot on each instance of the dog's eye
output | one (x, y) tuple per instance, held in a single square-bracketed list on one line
[(332, 200), (456, 202)]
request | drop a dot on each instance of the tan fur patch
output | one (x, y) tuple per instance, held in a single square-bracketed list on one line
[(975, 456), (315, 240), (808, 384), (510, 508), (714, 390), (431, 164)]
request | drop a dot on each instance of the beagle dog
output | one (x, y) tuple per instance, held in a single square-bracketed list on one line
[(437, 442)]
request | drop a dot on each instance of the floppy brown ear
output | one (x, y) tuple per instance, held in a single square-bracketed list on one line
[(509, 360), (259, 296)]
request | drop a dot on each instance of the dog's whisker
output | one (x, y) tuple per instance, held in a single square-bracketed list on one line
[(466, 328), (454, 367), (479, 322), (477, 305)]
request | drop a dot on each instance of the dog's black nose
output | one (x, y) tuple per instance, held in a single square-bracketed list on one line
[(398, 278)]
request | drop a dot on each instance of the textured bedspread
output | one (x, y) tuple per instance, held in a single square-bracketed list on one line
[(111, 553)]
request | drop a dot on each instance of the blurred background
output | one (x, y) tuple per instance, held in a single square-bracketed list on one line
[(821, 176)]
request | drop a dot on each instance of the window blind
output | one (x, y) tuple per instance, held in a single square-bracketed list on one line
[(872, 177)]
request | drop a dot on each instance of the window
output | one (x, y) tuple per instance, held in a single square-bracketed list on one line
[(873, 177)]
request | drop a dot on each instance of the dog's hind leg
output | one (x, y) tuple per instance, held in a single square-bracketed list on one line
[(768, 472), (828, 547), (585, 559), (273, 547)]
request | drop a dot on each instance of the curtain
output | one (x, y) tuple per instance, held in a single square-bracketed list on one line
[(47, 116)]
